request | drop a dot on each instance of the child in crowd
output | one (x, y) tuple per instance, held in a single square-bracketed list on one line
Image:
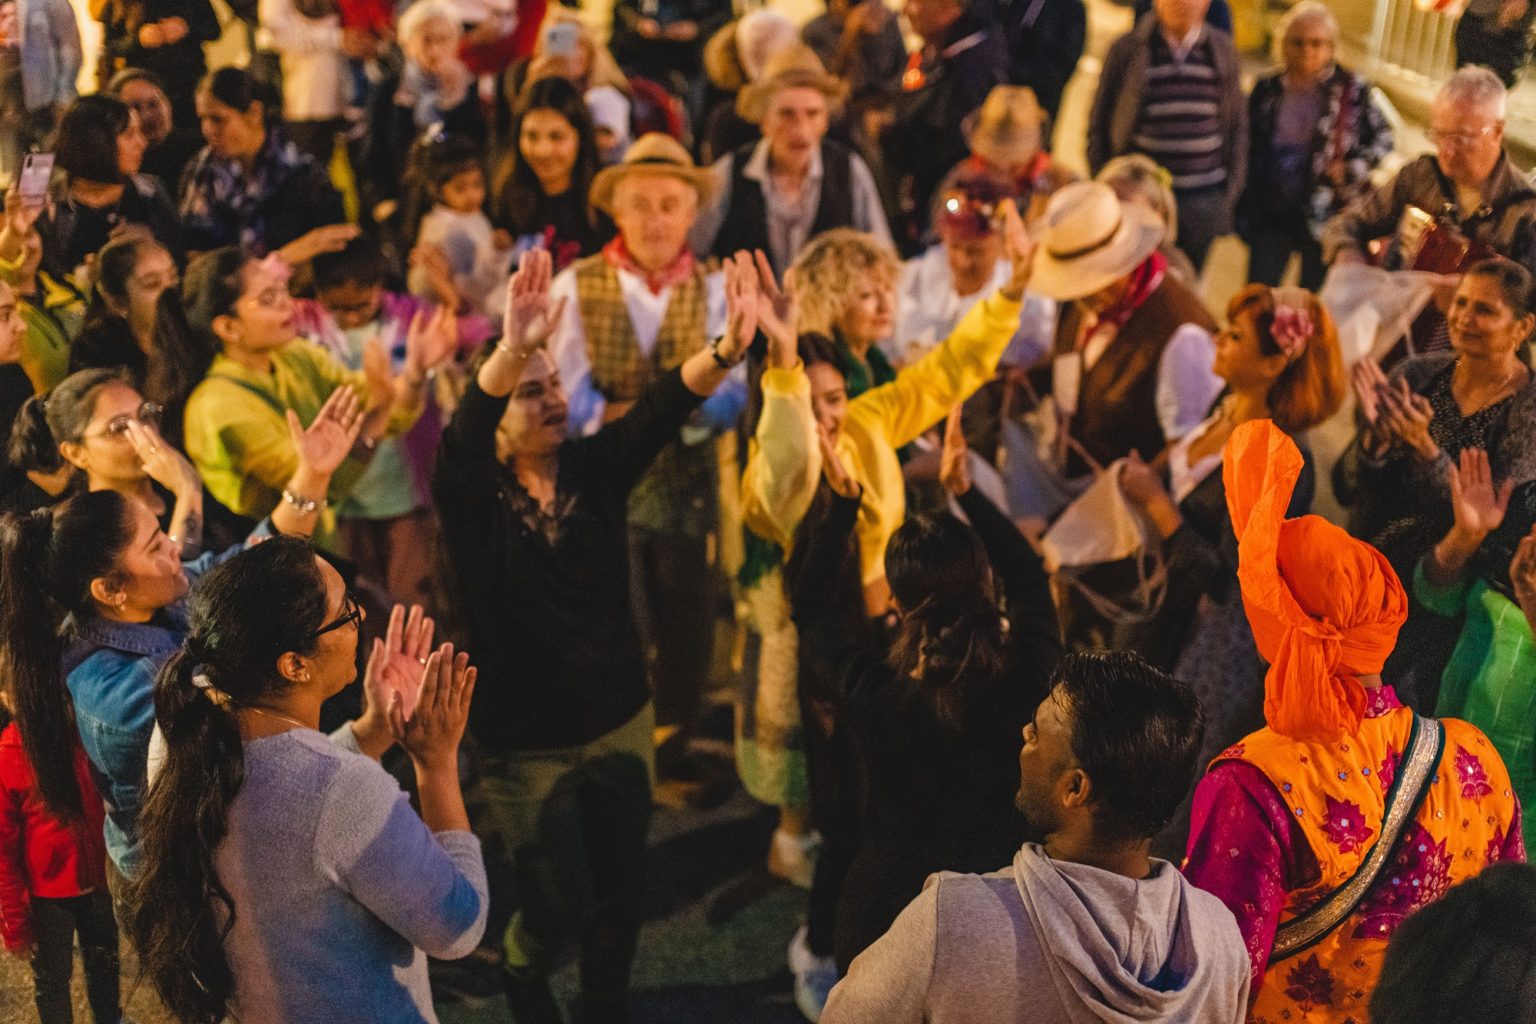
[(386, 521), (450, 177), (53, 878)]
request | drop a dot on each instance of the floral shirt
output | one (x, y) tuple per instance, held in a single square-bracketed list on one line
[(1253, 845)]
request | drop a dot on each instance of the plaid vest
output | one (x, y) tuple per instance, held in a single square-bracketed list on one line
[(677, 495), (620, 370)]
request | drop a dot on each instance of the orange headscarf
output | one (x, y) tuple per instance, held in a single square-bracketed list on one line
[(1324, 606)]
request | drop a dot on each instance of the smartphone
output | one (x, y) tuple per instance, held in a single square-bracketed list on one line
[(32, 183), (561, 40)]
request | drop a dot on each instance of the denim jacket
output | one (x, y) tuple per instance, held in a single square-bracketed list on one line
[(110, 669)]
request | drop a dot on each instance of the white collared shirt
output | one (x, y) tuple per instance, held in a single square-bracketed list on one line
[(568, 345), (1183, 47), (928, 308), (790, 218)]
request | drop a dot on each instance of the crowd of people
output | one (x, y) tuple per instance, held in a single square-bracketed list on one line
[(427, 402)]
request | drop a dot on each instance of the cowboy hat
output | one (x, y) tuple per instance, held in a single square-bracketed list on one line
[(652, 153), (1089, 240), (795, 67), (1008, 128)]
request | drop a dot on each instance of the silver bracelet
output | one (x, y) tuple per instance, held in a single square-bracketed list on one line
[(305, 506)]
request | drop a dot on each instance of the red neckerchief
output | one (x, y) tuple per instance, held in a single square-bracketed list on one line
[(616, 253), (1145, 280), (1025, 181)]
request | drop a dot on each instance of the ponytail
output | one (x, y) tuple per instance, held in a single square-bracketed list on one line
[(179, 941), (245, 613), (951, 638), (50, 558), (32, 447)]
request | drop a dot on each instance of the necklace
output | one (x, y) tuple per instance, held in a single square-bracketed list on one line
[(1497, 395), (273, 714)]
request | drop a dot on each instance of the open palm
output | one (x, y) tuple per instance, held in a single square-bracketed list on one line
[(1479, 505), (395, 664), (325, 443)]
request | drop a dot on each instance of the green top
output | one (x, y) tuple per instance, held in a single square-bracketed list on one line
[(1491, 678), (237, 431)]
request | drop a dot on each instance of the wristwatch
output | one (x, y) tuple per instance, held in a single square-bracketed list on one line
[(720, 360)]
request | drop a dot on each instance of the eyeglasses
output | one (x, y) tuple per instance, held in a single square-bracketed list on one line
[(117, 427), (1461, 139), (351, 614)]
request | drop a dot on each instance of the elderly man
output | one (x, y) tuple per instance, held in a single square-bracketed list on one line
[(631, 312), (1170, 89), (963, 55), (1086, 924), (795, 183), (1469, 186)]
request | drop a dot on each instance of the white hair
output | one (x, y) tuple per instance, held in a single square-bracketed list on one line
[(1475, 86), (1305, 13), (422, 13)]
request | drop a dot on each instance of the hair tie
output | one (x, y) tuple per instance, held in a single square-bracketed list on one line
[(1292, 324)]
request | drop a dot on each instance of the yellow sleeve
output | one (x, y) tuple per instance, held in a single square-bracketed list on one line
[(785, 461), (240, 446), (922, 393)]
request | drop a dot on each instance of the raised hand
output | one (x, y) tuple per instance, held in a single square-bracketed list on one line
[(778, 313), (433, 264), (741, 305), (530, 316), (1478, 505), (1020, 250), (1368, 380), (378, 378), (324, 445), (954, 458), (330, 238), (838, 478), (430, 341), (431, 733), (397, 662), (1407, 416), (165, 465)]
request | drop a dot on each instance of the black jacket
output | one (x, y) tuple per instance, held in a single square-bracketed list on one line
[(1045, 41)]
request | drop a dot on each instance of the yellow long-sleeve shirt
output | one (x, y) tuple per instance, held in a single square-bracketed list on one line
[(237, 431), (784, 463)]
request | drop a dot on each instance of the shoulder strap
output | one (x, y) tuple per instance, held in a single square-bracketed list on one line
[(1426, 742), (272, 403)]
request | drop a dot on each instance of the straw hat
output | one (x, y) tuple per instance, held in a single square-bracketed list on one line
[(652, 153), (795, 67), (1009, 127), (1089, 240)]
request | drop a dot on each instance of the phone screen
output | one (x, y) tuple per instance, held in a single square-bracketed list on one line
[(32, 183), (561, 41)]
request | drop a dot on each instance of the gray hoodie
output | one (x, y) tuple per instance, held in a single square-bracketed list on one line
[(1051, 942)]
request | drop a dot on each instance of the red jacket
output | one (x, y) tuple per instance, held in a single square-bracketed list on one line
[(39, 854)]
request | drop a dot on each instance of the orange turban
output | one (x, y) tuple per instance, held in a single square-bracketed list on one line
[(1324, 606)]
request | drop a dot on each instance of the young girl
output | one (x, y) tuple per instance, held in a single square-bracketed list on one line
[(53, 879), (451, 178)]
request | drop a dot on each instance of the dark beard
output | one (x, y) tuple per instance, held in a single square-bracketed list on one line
[(1032, 831)]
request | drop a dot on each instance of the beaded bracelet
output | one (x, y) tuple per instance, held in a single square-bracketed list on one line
[(305, 506)]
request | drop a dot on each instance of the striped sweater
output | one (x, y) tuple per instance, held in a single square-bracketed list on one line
[(1180, 125)]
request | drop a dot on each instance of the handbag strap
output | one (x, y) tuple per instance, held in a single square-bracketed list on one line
[(1426, 742)]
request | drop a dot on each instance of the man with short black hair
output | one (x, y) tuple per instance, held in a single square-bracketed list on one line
[(1087, 924)]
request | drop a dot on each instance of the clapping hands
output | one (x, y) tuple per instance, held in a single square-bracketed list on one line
[(325, 443)]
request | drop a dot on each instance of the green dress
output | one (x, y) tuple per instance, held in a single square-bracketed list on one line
[(1491, 678)]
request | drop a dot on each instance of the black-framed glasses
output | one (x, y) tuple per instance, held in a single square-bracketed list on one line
[(117, 427), (351, 613)]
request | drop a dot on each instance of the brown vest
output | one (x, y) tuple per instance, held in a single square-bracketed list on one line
[(1117, 399), (620, 371), (677, 494)]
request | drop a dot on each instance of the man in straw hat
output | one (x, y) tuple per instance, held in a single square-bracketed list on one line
[(1170, 88), (794, 183), (632, 312), (1131, 363), (1326, 829), (1007, 140)]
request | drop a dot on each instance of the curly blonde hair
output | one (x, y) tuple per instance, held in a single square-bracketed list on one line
[(828, 270)]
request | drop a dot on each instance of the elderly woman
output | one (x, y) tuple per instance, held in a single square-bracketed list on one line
[(1316, 132), (100, 149), (435, 88), (250, 186), (1137, 178), (1481, 394)]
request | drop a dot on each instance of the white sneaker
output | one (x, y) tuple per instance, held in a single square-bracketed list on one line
[(793, 858), (814, 977)]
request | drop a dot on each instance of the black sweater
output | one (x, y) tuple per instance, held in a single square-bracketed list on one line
[(545, 600), (939, 796)]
